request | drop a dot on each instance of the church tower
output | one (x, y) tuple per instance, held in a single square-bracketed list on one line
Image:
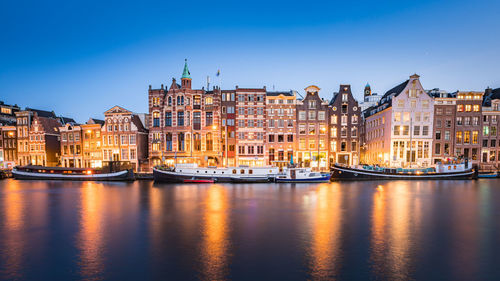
[(368, 90), (186, 77)]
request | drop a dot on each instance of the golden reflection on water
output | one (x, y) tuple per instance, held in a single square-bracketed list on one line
[(396, 217), (13, 245), (215, 230), (326, 231), (90, 237)]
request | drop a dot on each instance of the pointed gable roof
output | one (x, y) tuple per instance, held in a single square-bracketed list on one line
[(185, 72), (117, 109)]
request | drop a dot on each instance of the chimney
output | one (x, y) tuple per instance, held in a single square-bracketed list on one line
[(162, 86)]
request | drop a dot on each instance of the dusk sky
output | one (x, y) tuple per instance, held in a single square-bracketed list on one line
[(80, 58)]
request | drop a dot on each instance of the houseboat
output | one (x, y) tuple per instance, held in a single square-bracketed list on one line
[(75, 174), (302, 175), (191, 173), (441, 171)]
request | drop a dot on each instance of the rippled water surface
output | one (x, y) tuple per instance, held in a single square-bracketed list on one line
[(441, 230)]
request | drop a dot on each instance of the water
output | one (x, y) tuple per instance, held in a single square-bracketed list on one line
[(441, 230)]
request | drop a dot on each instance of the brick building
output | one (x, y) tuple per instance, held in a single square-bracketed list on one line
[(312, 129), (444, 126), (9, 146), (44, 141), (228, 107), (280, 127), (185, 124), (124, 139), (92, 143), (490, 151), (468, 126), (250, 126), (344, 118)]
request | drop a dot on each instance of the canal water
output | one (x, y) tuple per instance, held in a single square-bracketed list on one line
[(400, 230)]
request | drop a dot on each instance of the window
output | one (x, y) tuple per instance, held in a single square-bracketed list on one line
[(312, 129), (425, 104), (406, 116), (354, 146), (281, 138), (321, 115), (475, 137), (396, 130), (345, 97), (458, 137), (343, 146), (460, 108), (416, 130), (209, 100), (124, 154), (209, 142), (333, 132), (406, 130), (344, 109), (271, 138), (354, 119), (302, 144), (468, 108), (289, 138), (466, 137), (197, 121), (439, 111), (180, 118), (343, 120), (476, 107), (208, 119), (486, 130), (354, 132), (397, 116), (312, 104), (343, 132), (168, 119), (333, 119), (467, 121), (475, 121), (448, 123), (312, 115), (425, 130), (168, 139), (446, 135), (180, 142), (437, 148), (197, 142), (302, 129)]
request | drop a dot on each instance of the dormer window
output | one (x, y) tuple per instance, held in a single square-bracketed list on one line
[(312, 104)]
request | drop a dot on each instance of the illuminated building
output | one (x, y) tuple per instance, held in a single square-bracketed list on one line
[(312, 130), (184, 124), (281, 127), (398, 130), (124, 139), (9, 146), (92, 148), (490, 134), (345, 119), (468, 126), (250, 126), (44, 144)]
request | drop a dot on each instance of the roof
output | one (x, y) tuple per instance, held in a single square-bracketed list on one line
[(138, 123), (277, 93), (42, 113), (489, 95), (386, 99), (49, 125), (66, 120), (95, 121), (185, 72)]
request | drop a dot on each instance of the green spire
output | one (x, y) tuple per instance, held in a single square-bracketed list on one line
[(185, 72)]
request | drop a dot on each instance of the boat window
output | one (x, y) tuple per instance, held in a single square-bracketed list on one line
[(197, 171), (206, 172), (223, 172), (250, 171), (234, 171), (214, 172), (449, 167), (242, 171)]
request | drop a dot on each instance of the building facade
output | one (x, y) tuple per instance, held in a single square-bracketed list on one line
[(281, 127), (124, 139), (71, 146), (444, 127), (44, 141), (92, 143), (468, 126), (250, 126), (9, 146), (399, 128), (228, 108), (8, 114), (345, 119), (312, 130), (185, 124), (490, 151)]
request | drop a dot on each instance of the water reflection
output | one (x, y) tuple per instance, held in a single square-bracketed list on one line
[(396, 220), (326, 231), (90, 238), (215, 229), (13, 223)]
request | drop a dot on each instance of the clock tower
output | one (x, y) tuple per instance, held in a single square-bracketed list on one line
[(368, 90)]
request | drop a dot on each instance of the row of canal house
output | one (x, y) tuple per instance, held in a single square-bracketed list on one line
[(251, 126)]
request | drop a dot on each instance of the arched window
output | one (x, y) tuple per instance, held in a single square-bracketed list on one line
[(209, 142), (168, 138), (156, 119), (180, 142), (197, 142), (169, 101)]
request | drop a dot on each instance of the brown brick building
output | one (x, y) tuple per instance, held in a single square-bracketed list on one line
[(185, 124), (228, 107), (71, 146), (345, 119), (444, 127), (124, 138), (9, 146), (250, 126), (44, 143), (281, 127), (468, 125), (312, 129)]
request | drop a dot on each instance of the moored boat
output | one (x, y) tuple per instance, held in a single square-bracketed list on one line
[(191, 171), (440, 172), (75, 174), (302, 175), (490, 175)]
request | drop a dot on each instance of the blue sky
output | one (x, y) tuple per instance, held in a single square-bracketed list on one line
[(80, 58)]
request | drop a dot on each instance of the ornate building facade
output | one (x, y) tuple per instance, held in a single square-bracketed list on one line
[(345, 119), (281, 127), (312, 130)]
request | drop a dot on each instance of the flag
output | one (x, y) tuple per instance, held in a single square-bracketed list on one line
[(218, 73)]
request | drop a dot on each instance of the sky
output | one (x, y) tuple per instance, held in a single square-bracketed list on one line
[(80, 58)]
